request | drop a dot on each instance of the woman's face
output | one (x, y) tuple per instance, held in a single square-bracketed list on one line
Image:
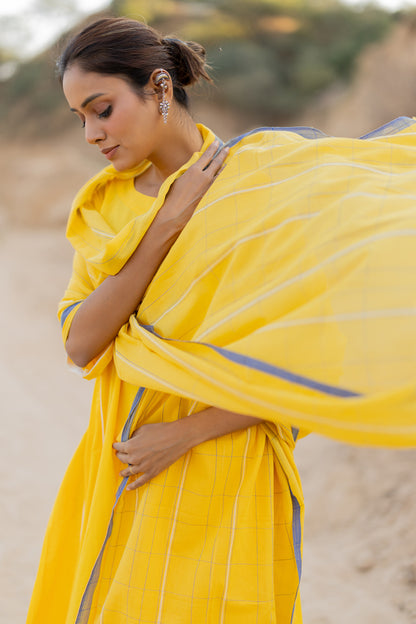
[(125, 127)]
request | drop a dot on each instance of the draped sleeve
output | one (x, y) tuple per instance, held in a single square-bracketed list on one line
[(80, 286)]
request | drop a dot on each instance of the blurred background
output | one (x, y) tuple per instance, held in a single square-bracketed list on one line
[(344, 67)]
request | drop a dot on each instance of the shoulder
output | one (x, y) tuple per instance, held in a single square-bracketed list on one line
[(93, 191), (106, 181)]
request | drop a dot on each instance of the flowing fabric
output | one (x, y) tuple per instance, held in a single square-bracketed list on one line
[(291, 296)]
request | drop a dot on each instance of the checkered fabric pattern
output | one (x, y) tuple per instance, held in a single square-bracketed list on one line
[(290, 295)]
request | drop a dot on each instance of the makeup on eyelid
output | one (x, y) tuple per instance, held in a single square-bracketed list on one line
[(124, 126)]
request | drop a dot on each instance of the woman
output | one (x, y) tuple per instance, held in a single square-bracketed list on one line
[(184, 295)]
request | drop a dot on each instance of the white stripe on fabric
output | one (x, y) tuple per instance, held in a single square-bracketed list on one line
[(297, 278), (390, 136), (233, 525), (381, 196), (267, 148), (347, 316), (172, 532), (195, 371), (241, 241), (100, 233), (101, 413), (298, 175), (290, 413), (165, 384), (351, 426), (82, 521)]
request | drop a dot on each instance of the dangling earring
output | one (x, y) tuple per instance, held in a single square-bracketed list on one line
[(164, 107), (164, 104)]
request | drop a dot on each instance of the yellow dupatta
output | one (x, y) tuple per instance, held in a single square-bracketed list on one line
[(297, 287), (290, 295)]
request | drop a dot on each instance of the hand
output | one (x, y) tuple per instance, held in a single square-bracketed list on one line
[(151, 449), (187, 191)]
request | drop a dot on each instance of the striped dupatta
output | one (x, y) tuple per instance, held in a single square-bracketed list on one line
[(294, 281), (291, 296)]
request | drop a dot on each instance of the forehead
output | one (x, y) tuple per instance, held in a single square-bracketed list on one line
[(78, 85)]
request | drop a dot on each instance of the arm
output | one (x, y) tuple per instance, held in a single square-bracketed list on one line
[(102, 314), (109, 306), (154, 447)]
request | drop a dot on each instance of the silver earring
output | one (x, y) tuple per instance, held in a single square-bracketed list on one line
[(164, 107), (164, 104)]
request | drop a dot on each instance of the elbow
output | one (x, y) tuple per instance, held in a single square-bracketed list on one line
[(77, 353)]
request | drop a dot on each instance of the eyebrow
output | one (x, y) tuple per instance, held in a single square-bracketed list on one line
[(87, 100)]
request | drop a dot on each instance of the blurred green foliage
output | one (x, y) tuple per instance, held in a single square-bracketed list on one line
[(269, 58)]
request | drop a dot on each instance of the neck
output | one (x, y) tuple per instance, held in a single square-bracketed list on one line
[(179, 140)]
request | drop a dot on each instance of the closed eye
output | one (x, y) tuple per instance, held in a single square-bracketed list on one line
[(106, 113)]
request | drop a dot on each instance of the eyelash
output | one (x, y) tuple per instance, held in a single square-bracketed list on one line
[(106, 113)]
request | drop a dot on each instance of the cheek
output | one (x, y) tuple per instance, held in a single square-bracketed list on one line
[(126, 124), (116, 124)]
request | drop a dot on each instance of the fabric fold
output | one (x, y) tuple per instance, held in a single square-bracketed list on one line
[(291, 296)]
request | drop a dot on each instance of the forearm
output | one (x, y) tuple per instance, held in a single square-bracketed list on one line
[(154, 447), (211, 423), (104, 311), (100, 317)]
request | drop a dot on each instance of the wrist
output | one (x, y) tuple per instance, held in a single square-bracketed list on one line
[(167, 228), (192, 430), (175, 214)]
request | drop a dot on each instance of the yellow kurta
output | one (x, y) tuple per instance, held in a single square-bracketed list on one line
[(291, 296)]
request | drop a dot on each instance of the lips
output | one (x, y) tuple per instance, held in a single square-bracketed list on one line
[(109, 152)]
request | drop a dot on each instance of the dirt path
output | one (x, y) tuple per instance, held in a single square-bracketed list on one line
[(44, 407)]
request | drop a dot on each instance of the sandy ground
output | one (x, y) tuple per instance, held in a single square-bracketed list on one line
[(360, 538), (44, 408)]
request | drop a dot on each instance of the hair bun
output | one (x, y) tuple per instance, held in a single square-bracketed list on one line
[(188, 60), (133, 50)]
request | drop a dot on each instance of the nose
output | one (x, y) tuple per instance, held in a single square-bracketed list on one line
[(94, 132)]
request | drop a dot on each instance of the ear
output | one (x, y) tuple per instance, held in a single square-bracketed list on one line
[(161, 83)]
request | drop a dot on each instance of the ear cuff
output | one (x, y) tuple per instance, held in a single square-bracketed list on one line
[(161, 77)]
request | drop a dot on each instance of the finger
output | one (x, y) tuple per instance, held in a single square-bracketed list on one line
[(131, 470), (127, 472), (123, 457), (209, 154), (217, 161), (144, 478), (220, 171), (213, 157)]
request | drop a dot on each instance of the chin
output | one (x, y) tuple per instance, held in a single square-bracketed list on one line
[(121, 165)]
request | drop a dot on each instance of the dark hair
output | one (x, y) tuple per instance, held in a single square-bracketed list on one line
[(117, 45)]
